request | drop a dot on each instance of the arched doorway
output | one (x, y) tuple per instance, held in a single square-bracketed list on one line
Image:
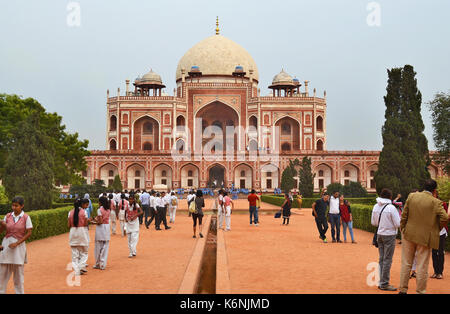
[(289, 134), (189, 177), (216, 177), (136, 177), (216, 117), (323, 176), (146, 134), (163, 176), (371, 177), (243, 176), (349, 173), (269, 177), (107, 173)]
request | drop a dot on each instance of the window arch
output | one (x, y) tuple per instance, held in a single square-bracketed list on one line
[(286, 128), (320, 173), (319, 145), (242, 173), (113, 145), (147, 146), (286, 147), (147, 128), (164, 173), (113, 123), (319, 123)]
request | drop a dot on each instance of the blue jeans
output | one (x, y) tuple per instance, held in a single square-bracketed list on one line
[(348, 225), (335, 220), (253, 213)]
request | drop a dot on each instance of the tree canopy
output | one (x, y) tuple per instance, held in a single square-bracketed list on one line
[(440, 114), (68, 151)]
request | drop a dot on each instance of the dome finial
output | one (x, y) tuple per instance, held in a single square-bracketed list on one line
[(217, 26)]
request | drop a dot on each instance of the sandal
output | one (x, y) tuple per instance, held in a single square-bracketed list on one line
[(434, 276), (439, 277), (413, 275)]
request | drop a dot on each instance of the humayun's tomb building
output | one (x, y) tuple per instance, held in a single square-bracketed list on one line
[(150, 142)]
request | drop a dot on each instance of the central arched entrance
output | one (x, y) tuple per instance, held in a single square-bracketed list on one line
[(216, 177), (217, 122)]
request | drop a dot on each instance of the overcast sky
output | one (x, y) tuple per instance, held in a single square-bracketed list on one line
[(335, 44)]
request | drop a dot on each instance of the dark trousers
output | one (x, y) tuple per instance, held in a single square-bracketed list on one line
[(152, 214), (146, 210), (335, 220), (438, 256), (162, 213), (322, 226)]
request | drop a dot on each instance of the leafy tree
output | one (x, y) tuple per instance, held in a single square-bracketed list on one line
[(306, 178), (353, 189), (117, 184), (404, 158), (444, 188), (287, 178), (3, 197), (67, 150), (29, 165), (440, 113)]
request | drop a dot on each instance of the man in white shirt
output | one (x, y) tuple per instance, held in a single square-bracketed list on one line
[(335, 218), (162, 210), (145, 203), (385, 216)]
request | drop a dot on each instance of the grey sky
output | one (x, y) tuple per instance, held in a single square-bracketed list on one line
[(328, 42)]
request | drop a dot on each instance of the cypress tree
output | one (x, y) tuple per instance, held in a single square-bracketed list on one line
[(287, 178), (306, 178), (29, 165), (404, 158), (117, 184)]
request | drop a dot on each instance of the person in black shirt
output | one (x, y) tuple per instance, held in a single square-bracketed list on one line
[(320, 213)]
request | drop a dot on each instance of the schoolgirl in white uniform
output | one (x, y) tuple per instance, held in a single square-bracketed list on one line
[(173, 207), (78, 221), (123, 206), (220, 209), (113, 213), (227, 203), (13, 251), (132, 224), (102, 234)]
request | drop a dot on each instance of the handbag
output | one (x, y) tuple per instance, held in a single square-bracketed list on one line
[(375, 240), (278, 214), (192, 206)]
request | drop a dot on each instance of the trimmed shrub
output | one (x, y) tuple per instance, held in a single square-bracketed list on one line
[(362, 215), (49, 222), (307, 202)]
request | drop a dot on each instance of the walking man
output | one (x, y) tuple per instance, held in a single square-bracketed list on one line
[(145, 203), (320, 213), (422, 219), (252, 200)]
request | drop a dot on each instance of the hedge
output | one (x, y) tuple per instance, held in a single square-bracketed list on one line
[(6, 208), (49, 222), (362, 216), (307, 202)]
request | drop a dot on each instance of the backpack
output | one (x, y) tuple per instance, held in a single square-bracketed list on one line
[(192, 206)]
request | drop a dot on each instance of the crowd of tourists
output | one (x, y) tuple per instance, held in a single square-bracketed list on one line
[(422, 221)]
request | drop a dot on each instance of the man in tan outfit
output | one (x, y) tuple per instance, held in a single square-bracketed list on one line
[(422, 219)]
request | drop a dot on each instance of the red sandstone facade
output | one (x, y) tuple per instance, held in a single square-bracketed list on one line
[(153, 143)]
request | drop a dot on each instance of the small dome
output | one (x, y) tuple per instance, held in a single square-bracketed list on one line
[(296, 81), (195, 68), (282, 78), (239, 68), (151, 77)]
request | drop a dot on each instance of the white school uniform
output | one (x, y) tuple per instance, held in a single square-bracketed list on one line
[(220, 211), (227, 213), (79, 244), (112, 216), (12, 260), (132, 227), (173, 208), (102, 237)]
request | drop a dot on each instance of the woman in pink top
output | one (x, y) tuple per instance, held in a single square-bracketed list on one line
[(13, 251)]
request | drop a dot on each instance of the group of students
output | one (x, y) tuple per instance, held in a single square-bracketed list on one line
[(79, 220), (339, 212)]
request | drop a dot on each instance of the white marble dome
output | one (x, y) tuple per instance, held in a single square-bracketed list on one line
[(282, 78), (217, 55), (151, 77)]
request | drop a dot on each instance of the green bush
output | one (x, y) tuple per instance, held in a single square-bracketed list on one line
[(362, 216), (307, 202), (49, 222)]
